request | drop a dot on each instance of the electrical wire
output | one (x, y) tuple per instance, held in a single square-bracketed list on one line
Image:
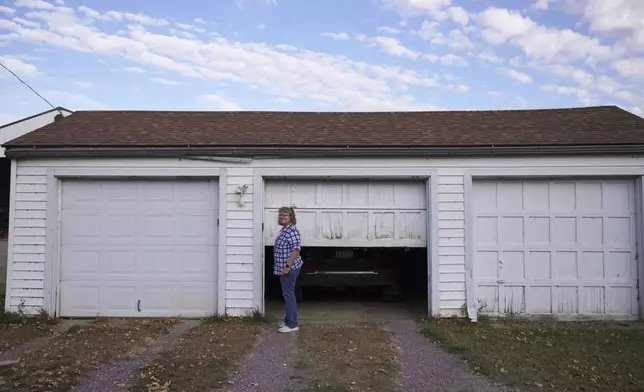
[(29, 87)]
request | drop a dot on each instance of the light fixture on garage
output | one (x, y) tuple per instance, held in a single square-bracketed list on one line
[(241, 191)]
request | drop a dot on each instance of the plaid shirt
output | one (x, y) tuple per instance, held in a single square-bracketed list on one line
[(286, 242)]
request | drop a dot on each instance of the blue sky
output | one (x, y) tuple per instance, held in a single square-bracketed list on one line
[(346, 55)]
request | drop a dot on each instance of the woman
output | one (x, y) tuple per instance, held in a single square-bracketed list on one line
[(287, 264)]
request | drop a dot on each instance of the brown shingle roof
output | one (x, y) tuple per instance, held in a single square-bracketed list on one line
[(548, 127)]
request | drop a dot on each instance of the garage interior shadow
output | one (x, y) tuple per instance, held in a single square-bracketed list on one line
[(353, 284)]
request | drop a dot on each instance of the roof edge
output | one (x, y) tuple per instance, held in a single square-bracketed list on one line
[(56, 109), (321, 152)]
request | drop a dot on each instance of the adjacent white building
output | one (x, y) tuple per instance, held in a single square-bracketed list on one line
[(8, 132), (169, 213)]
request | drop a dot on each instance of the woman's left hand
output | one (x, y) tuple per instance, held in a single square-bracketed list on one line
[(285, 270)]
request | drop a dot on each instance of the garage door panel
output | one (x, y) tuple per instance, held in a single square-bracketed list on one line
[(575, 237), (562, 196), (540, 299), (538, 266), (109, 263), (122, 299), (140, 228), (152, 195), (351, 213), (124, 241), (621, 301)]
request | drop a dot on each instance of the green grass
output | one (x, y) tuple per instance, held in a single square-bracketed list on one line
[(549, 356)]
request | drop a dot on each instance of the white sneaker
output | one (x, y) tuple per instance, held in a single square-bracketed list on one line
[(282, 324), (286, 329)]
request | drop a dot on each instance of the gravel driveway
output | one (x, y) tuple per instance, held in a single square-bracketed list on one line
[(425, 367)]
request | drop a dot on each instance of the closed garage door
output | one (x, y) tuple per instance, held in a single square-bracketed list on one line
[(139, 248), (351, 213), (556, 247)]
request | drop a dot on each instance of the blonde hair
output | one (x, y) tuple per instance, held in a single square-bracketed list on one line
[(291, 213)]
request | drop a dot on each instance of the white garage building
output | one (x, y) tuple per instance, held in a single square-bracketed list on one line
[(168, 213)]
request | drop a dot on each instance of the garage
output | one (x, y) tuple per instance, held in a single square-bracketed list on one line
[(359, 237), (144, 248), (562, 247)]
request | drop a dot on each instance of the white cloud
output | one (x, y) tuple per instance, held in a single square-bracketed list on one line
[(389, 30), (185, 26), (337, 36), (18, 66), (286, 48), (462, 88), (520, 102), (134, 70), (580, 76), (27, 23), (415, 7), (394, 47), (189, 27), (621, 18), (451, 59), (243, 3), (541, 5), (164, 81), (459, 15), (584, 96), (199, 20), (278, 71), (6, 10), (221, 102), (501, 25), (490, 57), (89, 12), (428, 30), (615, 89), (540, 42), (138, 18), (458, 40), (636, 110), (116, 16), (516, 75), (73, 101), (630, 68), (261, 26), (494, 93), (83, 84), (39, 4)]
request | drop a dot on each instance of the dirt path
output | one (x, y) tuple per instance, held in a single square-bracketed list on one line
[(272, 366), (28, 338), (108, 378), (427, 368)]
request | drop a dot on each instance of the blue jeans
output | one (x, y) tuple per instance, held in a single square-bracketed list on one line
[(288, 291)]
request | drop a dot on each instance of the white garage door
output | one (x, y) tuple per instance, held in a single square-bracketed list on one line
[(556, 247), (351, 213), (139, 248)]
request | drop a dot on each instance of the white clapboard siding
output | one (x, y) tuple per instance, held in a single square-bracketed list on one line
[(451, 243), (240, 288), (29, 220)]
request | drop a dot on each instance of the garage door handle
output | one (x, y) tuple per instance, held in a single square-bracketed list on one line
[(138, 305)]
